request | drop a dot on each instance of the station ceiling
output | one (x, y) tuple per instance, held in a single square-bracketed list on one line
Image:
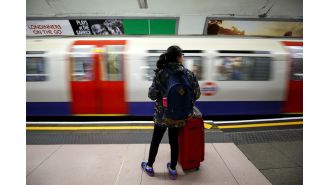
[(283, 9)]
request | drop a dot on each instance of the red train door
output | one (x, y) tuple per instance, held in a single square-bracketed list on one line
[(294, 100), (97, 79)]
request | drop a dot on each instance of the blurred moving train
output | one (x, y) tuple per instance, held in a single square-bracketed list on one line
[(79, 76)]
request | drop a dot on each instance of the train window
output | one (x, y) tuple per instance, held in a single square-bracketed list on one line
[(297, 62), (36, 69), (82, 69), (242, 68), (150, 67), (297, 69), (150, 64), (112, 63), (194, 64), (82, 63)]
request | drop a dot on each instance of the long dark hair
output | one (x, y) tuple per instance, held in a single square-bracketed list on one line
[(161, 62), (171, 56)]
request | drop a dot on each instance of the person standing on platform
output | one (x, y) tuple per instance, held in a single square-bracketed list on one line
[(168, 64)]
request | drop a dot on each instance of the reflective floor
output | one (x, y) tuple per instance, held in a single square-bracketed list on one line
[(94, 157)]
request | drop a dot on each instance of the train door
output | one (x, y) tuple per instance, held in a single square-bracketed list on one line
[(294, 101), (112, 86), (97, 79)]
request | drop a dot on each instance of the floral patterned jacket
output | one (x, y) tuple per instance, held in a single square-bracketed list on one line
[(157, 92)]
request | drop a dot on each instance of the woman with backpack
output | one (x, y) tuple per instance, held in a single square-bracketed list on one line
[(170, 76)]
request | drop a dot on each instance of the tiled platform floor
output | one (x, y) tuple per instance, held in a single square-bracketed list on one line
[(280, 162), (119, 164)]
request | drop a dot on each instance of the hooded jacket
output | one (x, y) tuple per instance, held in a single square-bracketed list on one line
[(157, 92)]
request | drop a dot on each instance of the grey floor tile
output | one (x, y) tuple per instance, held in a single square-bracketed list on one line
[(241, 168), (265, 156), (36, 154), (293, 150), (285, 176)]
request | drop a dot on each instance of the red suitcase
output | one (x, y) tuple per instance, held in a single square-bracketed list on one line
[(191, 144)]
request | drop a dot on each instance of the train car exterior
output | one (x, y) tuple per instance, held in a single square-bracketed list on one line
[(111, 76)]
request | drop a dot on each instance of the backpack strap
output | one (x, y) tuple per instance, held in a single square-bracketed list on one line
[(186, 79)]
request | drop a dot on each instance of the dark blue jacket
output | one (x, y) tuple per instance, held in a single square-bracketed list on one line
[(157, 92)]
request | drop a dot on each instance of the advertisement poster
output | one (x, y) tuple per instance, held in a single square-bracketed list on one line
[(97, 26), (48, 27), (254, 28)]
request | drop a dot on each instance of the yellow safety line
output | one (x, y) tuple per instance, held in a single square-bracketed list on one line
[(207, 126), (91, 128), (261, 125)]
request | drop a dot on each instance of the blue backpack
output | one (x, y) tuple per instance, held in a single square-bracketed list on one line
[(179, 96)]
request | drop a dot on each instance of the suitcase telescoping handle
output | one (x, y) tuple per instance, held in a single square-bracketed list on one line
[(196, 113)]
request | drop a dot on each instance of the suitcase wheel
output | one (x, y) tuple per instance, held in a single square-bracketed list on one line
[(197, 168)]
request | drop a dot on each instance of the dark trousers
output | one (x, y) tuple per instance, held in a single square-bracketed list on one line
[(157, 138)]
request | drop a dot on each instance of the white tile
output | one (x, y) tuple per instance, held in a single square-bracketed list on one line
[(212, 171), (163, 156), (243, 170), (36, 154), (80, 165), (120, 165), (130, 172)]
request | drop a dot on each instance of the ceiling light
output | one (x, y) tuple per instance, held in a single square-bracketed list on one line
[(143, 4)]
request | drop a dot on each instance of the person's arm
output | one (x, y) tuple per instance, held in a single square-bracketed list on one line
[(154, 90)]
